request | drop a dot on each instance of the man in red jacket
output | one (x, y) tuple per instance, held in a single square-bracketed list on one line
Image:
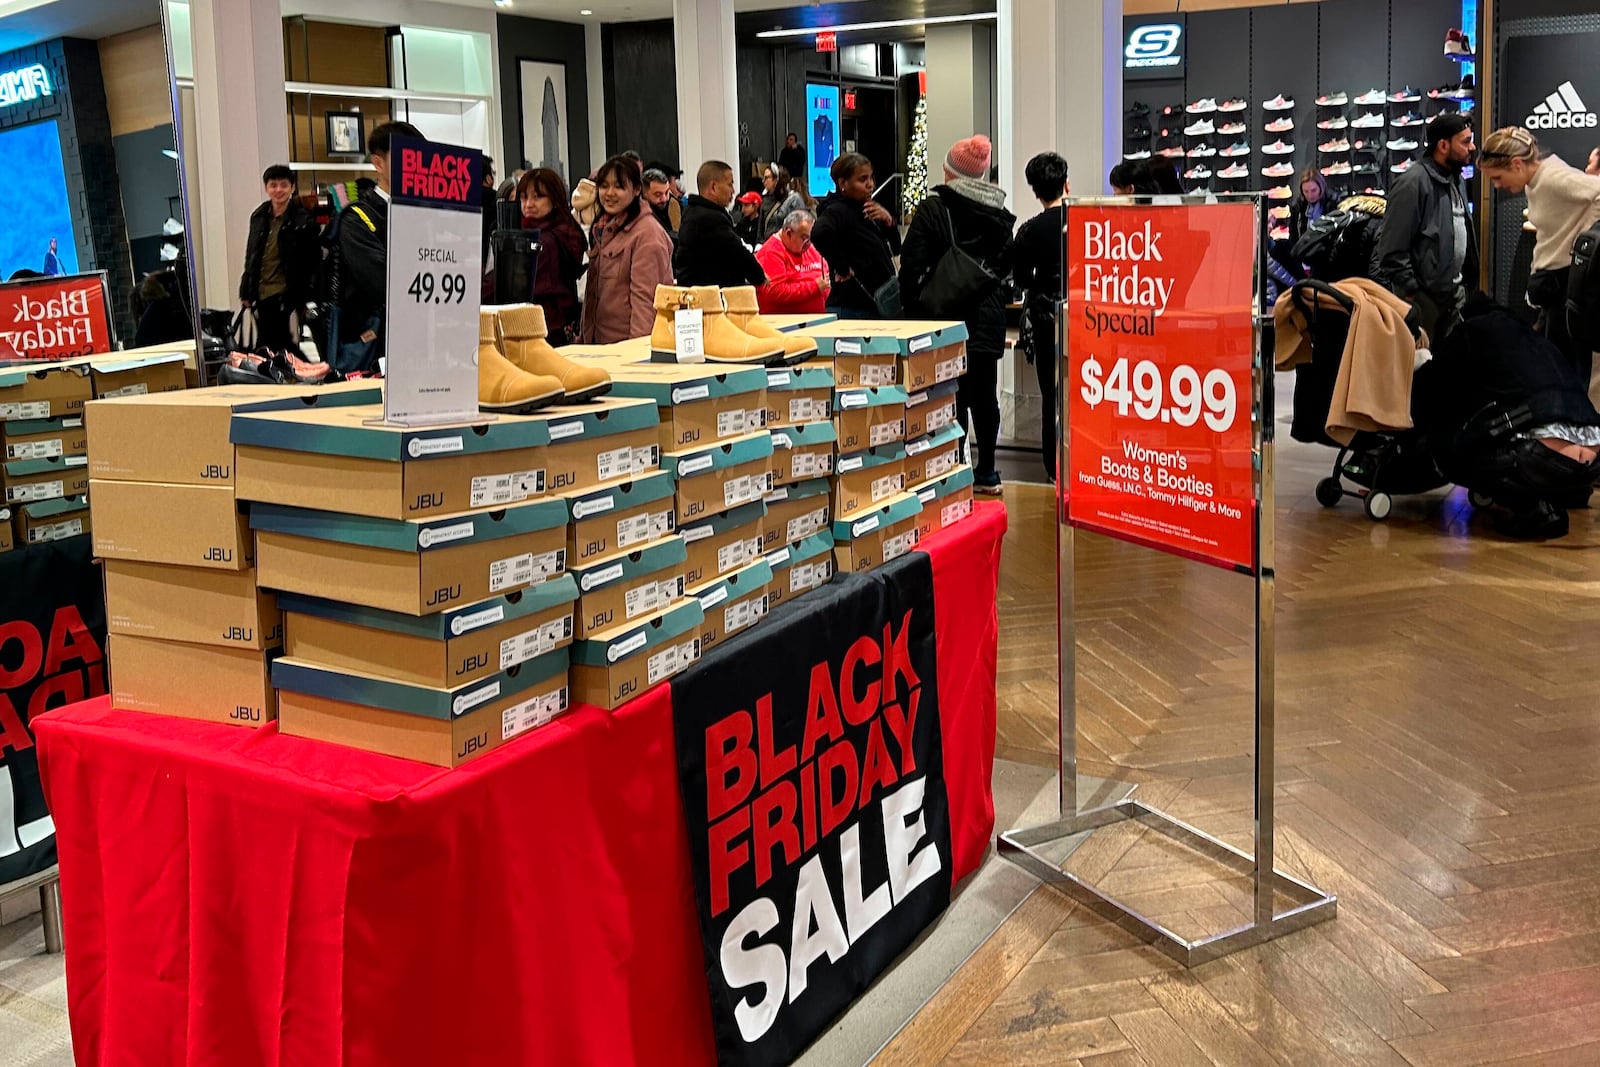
[(797, 277)]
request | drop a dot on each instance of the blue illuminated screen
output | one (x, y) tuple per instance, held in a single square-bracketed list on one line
[(36, 182)]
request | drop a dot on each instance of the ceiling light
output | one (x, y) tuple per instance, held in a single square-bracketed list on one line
[(895, 24), (585, 11), (502, 3)]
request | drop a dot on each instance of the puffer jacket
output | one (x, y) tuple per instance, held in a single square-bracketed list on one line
[(983, 229), (629, 258)]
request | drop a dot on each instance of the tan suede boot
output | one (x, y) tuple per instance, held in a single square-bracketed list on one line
[(745, 312), (521, 331), (503, 387), (670, 299), (725, 342)]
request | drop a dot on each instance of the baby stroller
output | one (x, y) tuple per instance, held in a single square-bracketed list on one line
[(1379, 466)]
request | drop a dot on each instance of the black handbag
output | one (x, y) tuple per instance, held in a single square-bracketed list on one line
[(958, 281)]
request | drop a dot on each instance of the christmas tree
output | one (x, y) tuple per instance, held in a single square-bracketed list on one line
[(916, 180)]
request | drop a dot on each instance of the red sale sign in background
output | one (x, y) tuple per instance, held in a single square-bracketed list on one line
[(1158, 382), (54, 318)]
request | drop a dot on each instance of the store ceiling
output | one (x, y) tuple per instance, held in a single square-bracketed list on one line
[(26, 22), (753, 14)]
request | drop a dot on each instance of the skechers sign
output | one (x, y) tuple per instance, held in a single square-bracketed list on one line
[(1154, 50), (25, 84)]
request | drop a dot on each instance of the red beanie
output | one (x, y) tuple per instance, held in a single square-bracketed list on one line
[(969, 158)]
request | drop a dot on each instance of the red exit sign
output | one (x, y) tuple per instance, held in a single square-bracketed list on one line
[(828, 42), (849, 99)]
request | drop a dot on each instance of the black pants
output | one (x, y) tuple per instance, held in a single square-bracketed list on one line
[(1547, 291), (273, 329), (1045, 359), (977, 395)]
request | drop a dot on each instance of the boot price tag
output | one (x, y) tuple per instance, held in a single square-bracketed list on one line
[(689, 325)]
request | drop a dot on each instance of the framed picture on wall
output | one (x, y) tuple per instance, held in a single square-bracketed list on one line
[(346, 136), (546, 131)]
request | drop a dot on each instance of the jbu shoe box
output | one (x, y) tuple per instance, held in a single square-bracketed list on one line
[(722, 543), (52, 520), (934, 357), (864, 354), (865, 479), (698, 403), (734, 603), (920, 350), (44, 391), (878, 536), (339, 460), (112, 376), (800, 395), (619, 516), (799, 568), (722, 476), (930, 410), (933, 456), (616, 665), (444, 727), (945, 501), (413, 566), (191, 604), (795, 512), (617, 590), (215, 684), (27, 480), (45, 438), (180, 525), (442, 651), (182, 438), (869, 418), (596, 443), (802, 452)]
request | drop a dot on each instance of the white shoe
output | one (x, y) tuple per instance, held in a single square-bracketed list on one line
[(1202, 107), (1237, 170), (1334, 169), (1197, 173), (1238, 148), (1283, 125), (1280, 192), (1231, 129), (1401, 145), (1201, 151), (1236, 104), (1401, 168), (1278, 148), (1144, 154), (1278, 103), (1376, 96), (1333, 100), (1200, 129), (1278, 170), (1340, 123), (1371, 121), (1339, 144)]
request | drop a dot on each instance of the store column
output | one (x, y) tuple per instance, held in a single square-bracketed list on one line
[(240, 130), (1060, 90), (708, 104), (961, 88)]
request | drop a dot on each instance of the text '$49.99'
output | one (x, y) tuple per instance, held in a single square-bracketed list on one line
[(1183, 396)]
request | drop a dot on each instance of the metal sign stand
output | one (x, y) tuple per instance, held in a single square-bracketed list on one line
[(1308, 904)]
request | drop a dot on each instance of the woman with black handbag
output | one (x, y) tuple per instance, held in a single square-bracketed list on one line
[(954, 265)]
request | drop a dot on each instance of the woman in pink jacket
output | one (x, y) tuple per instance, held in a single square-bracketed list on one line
[(629, 255), (797, 277)]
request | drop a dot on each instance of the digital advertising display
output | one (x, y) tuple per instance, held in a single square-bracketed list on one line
[(822, 136), (36, 182)]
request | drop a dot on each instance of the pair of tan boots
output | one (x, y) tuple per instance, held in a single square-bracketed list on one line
[(518, 371), (734, 330)]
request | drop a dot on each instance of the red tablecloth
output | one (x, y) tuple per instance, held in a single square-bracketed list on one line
[(239, 898)]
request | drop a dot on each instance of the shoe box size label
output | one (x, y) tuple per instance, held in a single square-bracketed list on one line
[(809, 409), (35, 449), (953, 513), (653, 596), (526, 569), (520, 718), (671, 660), (495, 490), (741, 421), (746, 488), (884, 432), (642, 528), (950, 368), (942, 464), (745, 613), (737, 554), (36, 491), (898, 545), (534, 642), (805, 525), (887, 486), (39, 409), (807, 576), (876, 374), (811, 464), (625, 462), (56, 531)]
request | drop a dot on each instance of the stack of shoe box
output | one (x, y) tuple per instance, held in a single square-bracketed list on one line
[(895, 395), (46, 476), (428, 603), (798, 541), (716, 445), (192, 631)]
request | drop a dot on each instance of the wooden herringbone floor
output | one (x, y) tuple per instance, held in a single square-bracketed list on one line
[(1439, 770)]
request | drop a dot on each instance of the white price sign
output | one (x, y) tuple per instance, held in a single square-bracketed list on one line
[(435, 257)]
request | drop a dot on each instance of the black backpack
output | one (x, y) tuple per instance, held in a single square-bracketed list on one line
[(1583, 289), (1339, 245)]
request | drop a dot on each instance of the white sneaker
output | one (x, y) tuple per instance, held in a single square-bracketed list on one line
[(1197, 173), (1238, 170), (1401, 168), (1333, 169), (1277, 170), (1281, 125), (1200, 151), (1236, 104), (1200, 129), (1339, 144), (1143, 154), (1231, 129), (1370, 121), (1238, 148), (1333, 100), (1407, 95), (1340, 123), (1278, 148), (1202, 107), (1376, 96), (1278, 103), (1280, 192), (1402, 145)]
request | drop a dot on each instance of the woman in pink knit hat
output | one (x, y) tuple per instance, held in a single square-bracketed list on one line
[(967, 211)]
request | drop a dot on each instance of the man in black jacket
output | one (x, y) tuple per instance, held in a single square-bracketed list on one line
[(857, 237), (360, 271), (709, 250), (280, 259), (1428, 253)]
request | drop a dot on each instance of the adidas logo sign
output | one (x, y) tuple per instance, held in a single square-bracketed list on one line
[(1562, 110)]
